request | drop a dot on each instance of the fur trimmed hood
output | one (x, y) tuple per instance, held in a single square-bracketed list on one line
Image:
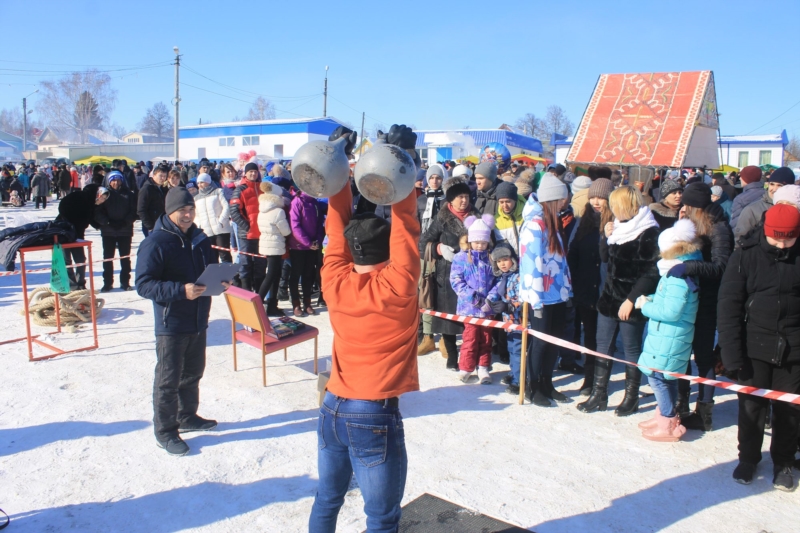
[(682, 248), (664, 211), (267, 201)]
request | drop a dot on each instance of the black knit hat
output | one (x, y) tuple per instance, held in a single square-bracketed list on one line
[(368, 237), (506, 190), (783, 175), (697, 195), (250, 166), (177, 197)]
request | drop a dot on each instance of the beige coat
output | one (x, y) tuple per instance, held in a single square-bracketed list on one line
[(579, 202), (272, 224)]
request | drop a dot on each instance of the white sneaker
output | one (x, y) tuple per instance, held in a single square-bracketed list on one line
[(464, 376), (484, 376)]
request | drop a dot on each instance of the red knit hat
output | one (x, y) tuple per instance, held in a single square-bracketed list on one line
[(782, 222), (750, 174)]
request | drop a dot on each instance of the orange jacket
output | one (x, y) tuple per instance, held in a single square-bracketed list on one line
[(375, 315)]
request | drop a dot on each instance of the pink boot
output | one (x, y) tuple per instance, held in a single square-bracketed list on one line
[(647, 424), (666, 430)]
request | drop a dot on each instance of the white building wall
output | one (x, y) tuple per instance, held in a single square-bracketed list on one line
[(561, 153), (730, 153), (291, 142)]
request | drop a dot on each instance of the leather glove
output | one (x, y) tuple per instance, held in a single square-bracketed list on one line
[(641, 300), (447, 252), (400, 135), (678, 271), (343, 131)]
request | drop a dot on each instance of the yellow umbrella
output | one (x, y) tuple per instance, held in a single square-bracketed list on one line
[(471, 159), (102, 160), (526, 157), (726, 169)]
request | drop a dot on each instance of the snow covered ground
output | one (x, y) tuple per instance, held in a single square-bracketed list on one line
[(77, 451)]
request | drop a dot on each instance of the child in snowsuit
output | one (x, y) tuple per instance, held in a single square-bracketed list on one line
[(472, 278), (504, 298), (672, 311)]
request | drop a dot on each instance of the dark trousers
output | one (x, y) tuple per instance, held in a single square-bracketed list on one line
[(110, 245), (223, 240), (753, 411), (703, 346), (568, 357), (542, 355), (587, 317), (77, 276), (43, 200), (272, 279), (253, 269), (304, 270), (176, 388)]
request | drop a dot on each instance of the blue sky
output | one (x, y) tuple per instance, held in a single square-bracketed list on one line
[(436, 64)]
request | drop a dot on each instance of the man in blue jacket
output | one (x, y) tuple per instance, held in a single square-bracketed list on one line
[(752, 192), (169, 262)]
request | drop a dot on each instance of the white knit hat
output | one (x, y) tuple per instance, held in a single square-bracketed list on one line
[(787, 193), (551, 188), (683, 231), (581, 183), (462, 170), (479, 229)]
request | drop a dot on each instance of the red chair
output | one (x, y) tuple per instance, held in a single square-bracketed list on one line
[(247, 309)]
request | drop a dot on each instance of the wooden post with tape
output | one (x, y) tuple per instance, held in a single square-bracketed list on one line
[(523, 353)]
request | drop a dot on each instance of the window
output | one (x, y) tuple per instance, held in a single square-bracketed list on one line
[(765, 157), (227, 141), (743, 159), (250, 141), (277, 151)]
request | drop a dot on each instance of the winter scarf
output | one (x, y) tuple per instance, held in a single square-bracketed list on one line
[(460, 216), (631, 229), (432, 198), (202, 193)]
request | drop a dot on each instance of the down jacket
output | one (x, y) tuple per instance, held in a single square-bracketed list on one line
[(507, 225), (244, 209), (751, 215), (717, 249), (212, 213), (472, 279), (752, 192), (758, 314), (272, 224), (116, 215), (306, 220), (631, 272), (40, 185), (506, 290), (668, 345), (150, 204), (166, 261), (446, 229)]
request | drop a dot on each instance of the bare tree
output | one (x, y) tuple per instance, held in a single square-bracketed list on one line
[(531, 125), (376, 128), (59, 99), (11, 121), (792, 150), (157, 120), (262, 109), (117, 130), (87, 115), (556, 121)]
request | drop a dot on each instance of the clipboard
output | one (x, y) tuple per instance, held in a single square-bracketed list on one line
[(213, 276)]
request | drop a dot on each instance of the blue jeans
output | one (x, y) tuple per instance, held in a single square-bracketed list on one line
[(364, 438), (632, 334), (514, 341), (666, 391)]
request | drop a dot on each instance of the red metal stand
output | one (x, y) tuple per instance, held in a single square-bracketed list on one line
[(26, 303)]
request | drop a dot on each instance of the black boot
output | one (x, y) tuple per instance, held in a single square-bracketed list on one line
[(588, 376), (598, 399), (682, 403), (630, 403), (272, 308), (701, 418), (549, 390)]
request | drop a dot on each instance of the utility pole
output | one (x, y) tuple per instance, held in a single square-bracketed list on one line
[(177, 98), (361, 150), (25, 122), (325, 95)]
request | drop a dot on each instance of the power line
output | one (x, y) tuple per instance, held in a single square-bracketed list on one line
[(774, 119), (356, 110), (66, 64), (246, 92), (240, 100), (39, 72)]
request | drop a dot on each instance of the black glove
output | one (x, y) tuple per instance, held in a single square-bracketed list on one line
[(498, 306), (343, 131), (401, 136)]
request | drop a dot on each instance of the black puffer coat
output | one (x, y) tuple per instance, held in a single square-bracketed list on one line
[(758, 315), (447, 229), (632, 272), (717, 249), (151, 203), (115, 216)]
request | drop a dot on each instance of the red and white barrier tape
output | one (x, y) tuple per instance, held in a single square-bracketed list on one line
[(34, 271), (237, 251), (764, 393)]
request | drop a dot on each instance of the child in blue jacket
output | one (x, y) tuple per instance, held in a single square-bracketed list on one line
[(472, 278), (668, 345), (504, 298)]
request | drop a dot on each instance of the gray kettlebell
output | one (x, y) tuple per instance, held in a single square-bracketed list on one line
[(385, 174), (321, 168)]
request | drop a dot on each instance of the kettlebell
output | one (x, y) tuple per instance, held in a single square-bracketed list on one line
[(321, 168), (385, 174)]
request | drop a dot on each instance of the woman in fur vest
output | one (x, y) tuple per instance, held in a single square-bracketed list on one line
[(444, 233), (629, 246), (274, 228)]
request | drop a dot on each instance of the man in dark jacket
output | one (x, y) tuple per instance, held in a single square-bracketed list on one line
[(486, 180), (128, 175), (169, 262), (753, 191), (730, 190), (115, 218), (244, 212), (77, 208), (759, 333), (150, 204)]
